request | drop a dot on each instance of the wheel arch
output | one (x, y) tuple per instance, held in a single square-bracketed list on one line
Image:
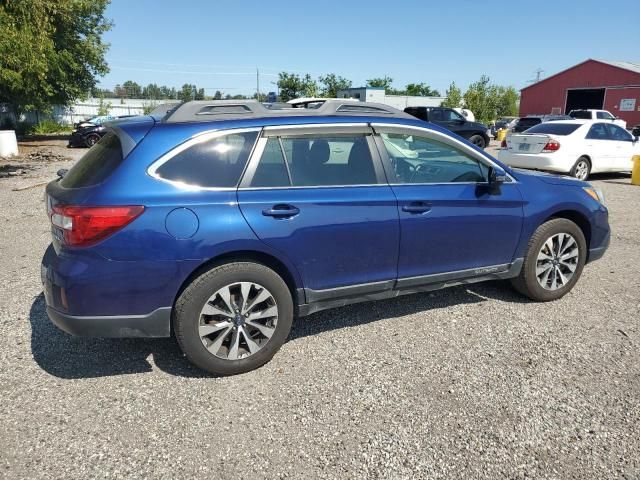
[(576, 217), (288, 274)]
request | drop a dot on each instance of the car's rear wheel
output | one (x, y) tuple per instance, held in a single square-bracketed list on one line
[(233, 318), (581, 169), (478, 141), (92, 139), (554, 261)]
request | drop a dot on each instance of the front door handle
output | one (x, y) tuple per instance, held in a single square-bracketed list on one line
[(417, 207), (281, 211)]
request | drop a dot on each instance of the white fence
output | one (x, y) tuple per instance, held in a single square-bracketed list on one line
[(83, 110)]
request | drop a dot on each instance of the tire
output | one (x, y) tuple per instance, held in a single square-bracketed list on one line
[(581, 169), (219, 356), (478, 140), (531, 280), (91, 139)]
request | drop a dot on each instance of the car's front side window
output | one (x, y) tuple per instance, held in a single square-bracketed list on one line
[(604, 115), (318, 160), (417, 159), (619, 134)]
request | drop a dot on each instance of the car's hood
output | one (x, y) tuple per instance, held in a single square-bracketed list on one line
[(551, 178)]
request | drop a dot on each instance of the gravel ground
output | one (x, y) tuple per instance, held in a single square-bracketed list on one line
[(469, 382)]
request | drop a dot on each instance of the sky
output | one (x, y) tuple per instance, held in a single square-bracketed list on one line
[(219, 44)]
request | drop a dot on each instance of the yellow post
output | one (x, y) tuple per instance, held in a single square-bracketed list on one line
[(501, 134), (635, 173)]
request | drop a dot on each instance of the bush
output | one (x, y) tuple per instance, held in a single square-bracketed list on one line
[(50, 126)]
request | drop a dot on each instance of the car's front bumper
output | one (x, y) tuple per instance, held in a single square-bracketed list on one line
[(77, 140), (596, 253)]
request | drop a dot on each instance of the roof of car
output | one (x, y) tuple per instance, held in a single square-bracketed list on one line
[(216, 110)]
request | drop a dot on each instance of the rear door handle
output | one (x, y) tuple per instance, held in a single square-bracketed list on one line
[(417, 207), (281, 211)]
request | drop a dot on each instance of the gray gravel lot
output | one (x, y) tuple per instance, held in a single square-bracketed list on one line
[(469, 382)]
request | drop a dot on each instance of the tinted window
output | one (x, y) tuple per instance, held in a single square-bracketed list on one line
[(581, 114), (217, 162), (422, 160), (528, 122), (272, 169), (619, 134), (96, 165), (452, 116), (604, 115), (325, 161), (598, 131), (554, 128)]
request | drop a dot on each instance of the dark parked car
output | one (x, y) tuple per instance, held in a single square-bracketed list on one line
[(636, 131), (448, 118), (504, 122), (529, 121), (222, 221), (89, 132)]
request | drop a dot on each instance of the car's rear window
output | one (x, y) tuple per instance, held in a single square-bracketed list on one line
[(96, 165), (528, 122), (554, 128), (581, 114)]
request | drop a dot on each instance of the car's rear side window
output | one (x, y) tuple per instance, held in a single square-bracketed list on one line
[(96, 165), (555, 128), (321, 160), (528, 122), (210, 163)]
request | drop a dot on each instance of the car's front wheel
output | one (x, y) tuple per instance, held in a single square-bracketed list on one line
[(554, 261), (92, 139), (233, 318)]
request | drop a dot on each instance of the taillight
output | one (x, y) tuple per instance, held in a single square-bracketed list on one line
[(551, 146), (84, 226), (503, 144)]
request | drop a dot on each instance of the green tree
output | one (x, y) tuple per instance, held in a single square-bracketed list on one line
[(453, 97), (292, 86), (384, 82), (187, 92), (218, 95), (103, 107), (421, 90), (132, 89), (507, 102), (51, 51), (333, 83)]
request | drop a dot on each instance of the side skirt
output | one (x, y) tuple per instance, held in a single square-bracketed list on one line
[(341, 296)]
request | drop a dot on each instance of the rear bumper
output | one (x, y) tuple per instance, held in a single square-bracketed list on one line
[(535, 161), (155, 324)]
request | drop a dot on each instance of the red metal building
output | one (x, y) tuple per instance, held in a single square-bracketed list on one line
[(613, 86)]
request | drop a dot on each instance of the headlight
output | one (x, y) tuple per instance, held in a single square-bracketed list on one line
[(595, 193)]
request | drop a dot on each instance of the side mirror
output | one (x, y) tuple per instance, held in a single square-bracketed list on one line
[(497, 176)]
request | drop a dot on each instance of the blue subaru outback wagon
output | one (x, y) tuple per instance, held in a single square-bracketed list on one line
[(224, 220)]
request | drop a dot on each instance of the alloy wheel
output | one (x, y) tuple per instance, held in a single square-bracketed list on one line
[(238, 320), (582, 170), (557, 261)]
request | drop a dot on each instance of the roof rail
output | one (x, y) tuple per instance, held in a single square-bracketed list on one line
[(213, 110)]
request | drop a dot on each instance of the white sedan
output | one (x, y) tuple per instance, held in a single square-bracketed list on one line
[(576, 147)]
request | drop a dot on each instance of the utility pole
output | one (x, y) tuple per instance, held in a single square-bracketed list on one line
[(257, 84), (538, 73)]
